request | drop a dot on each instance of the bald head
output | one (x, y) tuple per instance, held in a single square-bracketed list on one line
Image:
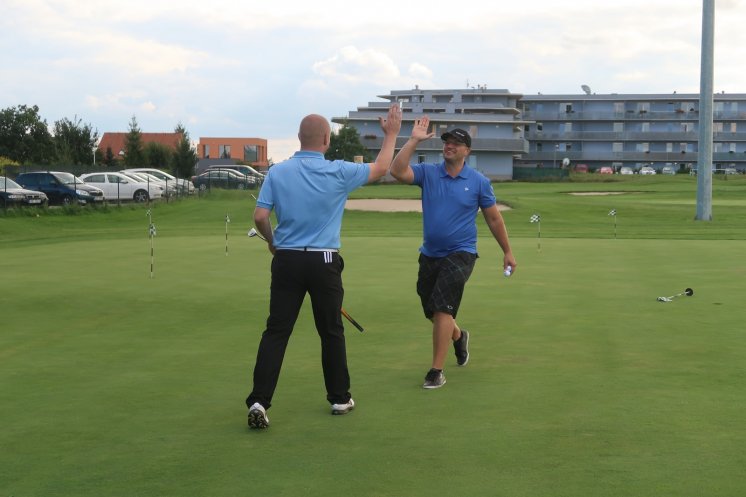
[(314, 133)]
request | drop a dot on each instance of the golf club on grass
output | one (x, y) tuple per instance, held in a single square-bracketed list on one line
[(349, 318), (688, 292), (253, 232)]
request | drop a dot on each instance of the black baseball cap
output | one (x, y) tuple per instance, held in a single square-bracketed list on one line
[(459, 135)]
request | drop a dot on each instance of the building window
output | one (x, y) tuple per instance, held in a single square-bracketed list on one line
[(568, 127), (618, 127), (717, 127), (539, 147), (617, 147), (420, 158), (733, 127), (250, 153), (206, 151), (645, 127), (669, 147), (225, 151), (539, 127)]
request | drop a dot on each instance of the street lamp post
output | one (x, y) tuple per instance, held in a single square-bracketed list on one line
[(556, 147)]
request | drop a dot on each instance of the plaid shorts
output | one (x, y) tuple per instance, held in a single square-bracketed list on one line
[(441, 281)]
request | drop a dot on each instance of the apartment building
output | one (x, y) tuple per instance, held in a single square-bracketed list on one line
[(228, 150), (633, 130), (541, 131), (491, 117)]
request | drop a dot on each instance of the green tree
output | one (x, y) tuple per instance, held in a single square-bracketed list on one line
[(24, 137), (109, 157), (157, 155), (185, 157), (6, 163), (133, 147), (74, 142), (345, 145)]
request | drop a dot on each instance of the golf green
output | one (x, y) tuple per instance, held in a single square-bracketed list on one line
[(580, 382)]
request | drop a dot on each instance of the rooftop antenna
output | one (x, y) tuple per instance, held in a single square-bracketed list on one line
[(586, 89)]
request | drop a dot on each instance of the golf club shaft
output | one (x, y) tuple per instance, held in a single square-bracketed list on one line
[(349, 318)]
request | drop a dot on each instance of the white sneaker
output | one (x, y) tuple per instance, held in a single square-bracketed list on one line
[(258, 417), (343, 408)]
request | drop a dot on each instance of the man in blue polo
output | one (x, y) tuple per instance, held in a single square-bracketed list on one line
[(452, 193), (308, 194)]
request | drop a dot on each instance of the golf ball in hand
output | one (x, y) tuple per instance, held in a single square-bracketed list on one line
[(508, 271)]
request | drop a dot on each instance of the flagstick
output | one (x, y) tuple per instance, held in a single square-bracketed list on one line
[(151, 235), (536, 218), (227, 220), (152, 257), (614, 227)]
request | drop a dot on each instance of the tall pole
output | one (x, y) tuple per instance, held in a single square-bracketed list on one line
[(704, 159)]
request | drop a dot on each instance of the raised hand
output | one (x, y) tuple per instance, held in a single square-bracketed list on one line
[(392, 124), (420, 129)]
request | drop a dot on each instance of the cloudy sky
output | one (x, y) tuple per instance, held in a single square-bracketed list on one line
[(233, 68)]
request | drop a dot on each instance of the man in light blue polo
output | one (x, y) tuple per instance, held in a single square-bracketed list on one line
[(452, 193), (308, 194)]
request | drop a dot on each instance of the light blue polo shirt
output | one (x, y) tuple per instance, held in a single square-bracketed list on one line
[(308, 194), (450, 206)]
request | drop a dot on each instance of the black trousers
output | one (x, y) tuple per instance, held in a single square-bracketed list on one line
[(295, 273)]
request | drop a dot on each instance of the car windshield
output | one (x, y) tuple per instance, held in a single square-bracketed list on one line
[(68, 179), (6, 183), (134, 177)]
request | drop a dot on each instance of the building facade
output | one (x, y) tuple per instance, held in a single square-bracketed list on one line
[(114, 142), (250, 150), (541, 131), (491, 117), (633, 130)]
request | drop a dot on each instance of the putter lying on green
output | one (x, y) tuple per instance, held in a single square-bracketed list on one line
[(688, 292)]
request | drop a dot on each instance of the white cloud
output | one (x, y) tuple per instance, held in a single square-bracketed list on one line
[(229, 68)]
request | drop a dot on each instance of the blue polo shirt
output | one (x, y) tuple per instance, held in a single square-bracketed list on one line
[(449, 208), (308, 194)]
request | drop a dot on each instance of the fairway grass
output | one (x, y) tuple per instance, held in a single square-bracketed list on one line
[(579, 384)]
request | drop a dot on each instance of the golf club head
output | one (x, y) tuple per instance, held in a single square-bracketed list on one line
[(688, 292), (252, 232), (664, 299)]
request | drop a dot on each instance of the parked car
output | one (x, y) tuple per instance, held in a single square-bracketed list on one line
[(168, 189), (626, 170), (118, 186), (647, 170), (605, 170), (730, 170), (183, 186), (62, 188), (581, 168), (668, 170), (13, 194), (224, 178), (247, 170)]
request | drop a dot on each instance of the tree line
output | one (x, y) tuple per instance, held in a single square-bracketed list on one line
[(27, 140)]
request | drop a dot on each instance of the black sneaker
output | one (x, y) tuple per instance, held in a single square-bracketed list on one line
[(434, 379), (461, 346), (258, 419)]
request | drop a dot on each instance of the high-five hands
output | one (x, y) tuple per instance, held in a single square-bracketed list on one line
[(420, 129)]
